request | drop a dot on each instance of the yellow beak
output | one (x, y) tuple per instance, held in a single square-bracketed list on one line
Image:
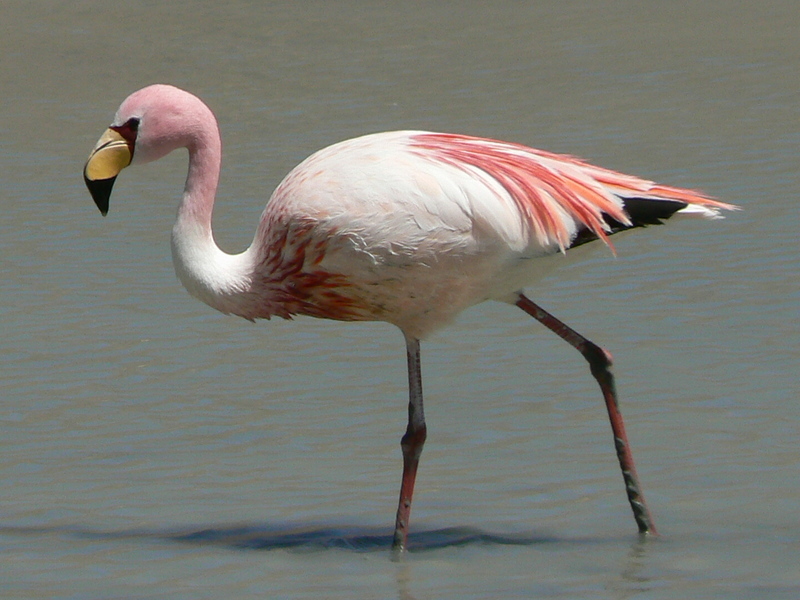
[(111, 154)]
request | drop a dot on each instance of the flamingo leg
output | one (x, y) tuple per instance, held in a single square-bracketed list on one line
[(411, 443), (599, 361)]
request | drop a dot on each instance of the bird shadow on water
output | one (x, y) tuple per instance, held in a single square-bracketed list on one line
[(296, 537), (357, 539)]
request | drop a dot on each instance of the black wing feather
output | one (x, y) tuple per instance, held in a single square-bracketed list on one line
[(641, 211)]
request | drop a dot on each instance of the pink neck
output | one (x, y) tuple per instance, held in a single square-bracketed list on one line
[(205, 157)]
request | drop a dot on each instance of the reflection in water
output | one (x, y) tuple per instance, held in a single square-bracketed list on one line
[(403, 579), (632, 581)]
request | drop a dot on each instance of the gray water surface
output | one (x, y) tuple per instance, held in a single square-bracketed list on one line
[(152, 448)]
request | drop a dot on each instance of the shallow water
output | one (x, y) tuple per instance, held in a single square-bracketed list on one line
[(155, 449)]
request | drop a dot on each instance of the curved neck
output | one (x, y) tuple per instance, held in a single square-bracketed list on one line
[(220, 280)]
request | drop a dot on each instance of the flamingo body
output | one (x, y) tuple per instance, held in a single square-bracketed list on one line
[(380, 231), (414, 227), (407, 227)]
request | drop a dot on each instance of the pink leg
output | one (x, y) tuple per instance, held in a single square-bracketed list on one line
[(412, 443), (600, 362)]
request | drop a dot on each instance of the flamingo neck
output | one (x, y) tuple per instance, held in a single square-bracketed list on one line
[(219, 279)]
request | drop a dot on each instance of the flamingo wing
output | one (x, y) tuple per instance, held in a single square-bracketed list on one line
[(564, 200), (413, 226)]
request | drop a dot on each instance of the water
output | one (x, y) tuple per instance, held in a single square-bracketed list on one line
[(154, 449)]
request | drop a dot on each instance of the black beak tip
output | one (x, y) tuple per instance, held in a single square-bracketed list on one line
[(100, 189)]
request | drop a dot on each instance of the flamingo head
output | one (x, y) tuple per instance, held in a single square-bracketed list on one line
[(149, 124)]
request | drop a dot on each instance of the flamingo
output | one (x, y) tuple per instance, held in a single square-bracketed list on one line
[(407, 227)]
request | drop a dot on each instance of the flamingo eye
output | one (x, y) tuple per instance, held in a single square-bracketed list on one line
[(129, 129)]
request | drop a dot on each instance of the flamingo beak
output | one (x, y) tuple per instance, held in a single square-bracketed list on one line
[(111, 154)]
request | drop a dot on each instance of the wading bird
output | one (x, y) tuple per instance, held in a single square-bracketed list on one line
[(408, 227)]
